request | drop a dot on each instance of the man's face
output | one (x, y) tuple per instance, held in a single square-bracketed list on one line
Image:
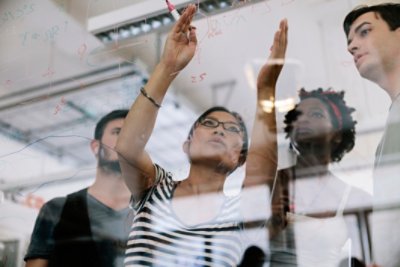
[(107, 157), (375, 48)]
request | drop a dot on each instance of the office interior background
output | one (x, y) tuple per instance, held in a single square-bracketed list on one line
[(65, 63)]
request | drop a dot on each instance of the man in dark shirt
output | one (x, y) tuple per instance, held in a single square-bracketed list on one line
[(89, 227)]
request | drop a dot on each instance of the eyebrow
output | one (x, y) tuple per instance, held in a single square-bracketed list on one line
[(317, 109), (214, 118), (357, 29)]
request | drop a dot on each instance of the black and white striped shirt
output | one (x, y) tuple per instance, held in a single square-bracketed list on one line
[(159, 238)]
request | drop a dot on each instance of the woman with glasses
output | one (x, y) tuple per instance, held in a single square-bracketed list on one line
[(208, 233)]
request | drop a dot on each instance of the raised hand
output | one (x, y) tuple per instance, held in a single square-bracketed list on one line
[(269, 73), (181, 42)]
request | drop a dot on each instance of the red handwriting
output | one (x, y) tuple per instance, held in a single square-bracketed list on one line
[(81, 51), (8, 83), (236, 18), (49, 73), (59, 106), (213, 28), (198, 54), (199, 78)]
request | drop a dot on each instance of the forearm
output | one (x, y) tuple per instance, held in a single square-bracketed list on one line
[(140, 121), (262, 157)]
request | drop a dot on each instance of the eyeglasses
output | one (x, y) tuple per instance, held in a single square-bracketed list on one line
[(229, 126)]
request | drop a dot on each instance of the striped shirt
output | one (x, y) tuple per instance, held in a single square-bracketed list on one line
[(159, 238)]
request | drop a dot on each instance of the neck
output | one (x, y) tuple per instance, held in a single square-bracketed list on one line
[(203, 179), (311, 166), (390, 82), (110, 189)]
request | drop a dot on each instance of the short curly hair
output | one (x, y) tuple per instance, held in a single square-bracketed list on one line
[(340, 115)]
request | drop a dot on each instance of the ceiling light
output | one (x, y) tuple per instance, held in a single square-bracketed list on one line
[(223, 4), (210, 7), (145, 27), (156, 24), (135, 30), (166, 20), (113, 36), (124, 33), (105, 38)]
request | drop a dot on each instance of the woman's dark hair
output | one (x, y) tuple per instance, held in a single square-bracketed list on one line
[(245, 146), (340, 114), (113, 115), (389, 12)]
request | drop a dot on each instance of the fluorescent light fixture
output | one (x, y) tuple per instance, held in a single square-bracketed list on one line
[(156, 24), (145, 27), (135, 30), (124, 33), (166, 20), (113, 35)]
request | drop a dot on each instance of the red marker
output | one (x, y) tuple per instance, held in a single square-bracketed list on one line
[(172, 10)]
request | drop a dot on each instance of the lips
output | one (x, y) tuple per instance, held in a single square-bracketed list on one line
[(217, 140), (304, 130), (357, 58)]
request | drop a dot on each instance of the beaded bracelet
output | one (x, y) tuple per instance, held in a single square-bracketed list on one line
[(144, 93)]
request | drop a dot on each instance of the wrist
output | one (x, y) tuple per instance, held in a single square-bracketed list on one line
[(166, 69)]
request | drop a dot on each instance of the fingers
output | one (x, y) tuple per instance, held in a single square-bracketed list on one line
[(192, 12), (284, 33), (278, 48), (184, 21), (192, 35)]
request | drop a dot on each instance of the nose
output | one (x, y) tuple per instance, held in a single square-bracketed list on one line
[(352, 47), (219, 130)]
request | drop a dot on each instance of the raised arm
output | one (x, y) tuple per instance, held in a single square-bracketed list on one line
[(137, 166), (262, 158)]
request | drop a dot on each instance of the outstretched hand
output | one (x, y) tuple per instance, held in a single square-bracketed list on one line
[(181, 42), (269, 73)]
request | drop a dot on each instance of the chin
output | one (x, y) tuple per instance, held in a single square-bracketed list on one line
[(369, 72)]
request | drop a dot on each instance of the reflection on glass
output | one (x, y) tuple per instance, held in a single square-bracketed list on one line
[(89, 225), (308, 201)]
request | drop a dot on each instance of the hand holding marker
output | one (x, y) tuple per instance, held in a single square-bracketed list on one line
[(172, 10)]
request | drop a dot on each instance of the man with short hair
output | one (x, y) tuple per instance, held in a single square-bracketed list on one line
[(89, 227), (373, 34)]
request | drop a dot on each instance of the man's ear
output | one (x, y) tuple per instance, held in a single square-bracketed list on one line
[(94, 146), (186, 146)]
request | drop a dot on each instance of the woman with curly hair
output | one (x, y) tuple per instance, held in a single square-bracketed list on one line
[(307, 227)]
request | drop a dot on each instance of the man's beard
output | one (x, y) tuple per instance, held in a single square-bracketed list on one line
[(109, 166)]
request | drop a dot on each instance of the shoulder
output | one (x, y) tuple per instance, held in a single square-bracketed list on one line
[(359, 198), (163, 176), (54, 204)]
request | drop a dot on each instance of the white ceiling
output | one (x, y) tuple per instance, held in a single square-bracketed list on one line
[(57, 78)]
